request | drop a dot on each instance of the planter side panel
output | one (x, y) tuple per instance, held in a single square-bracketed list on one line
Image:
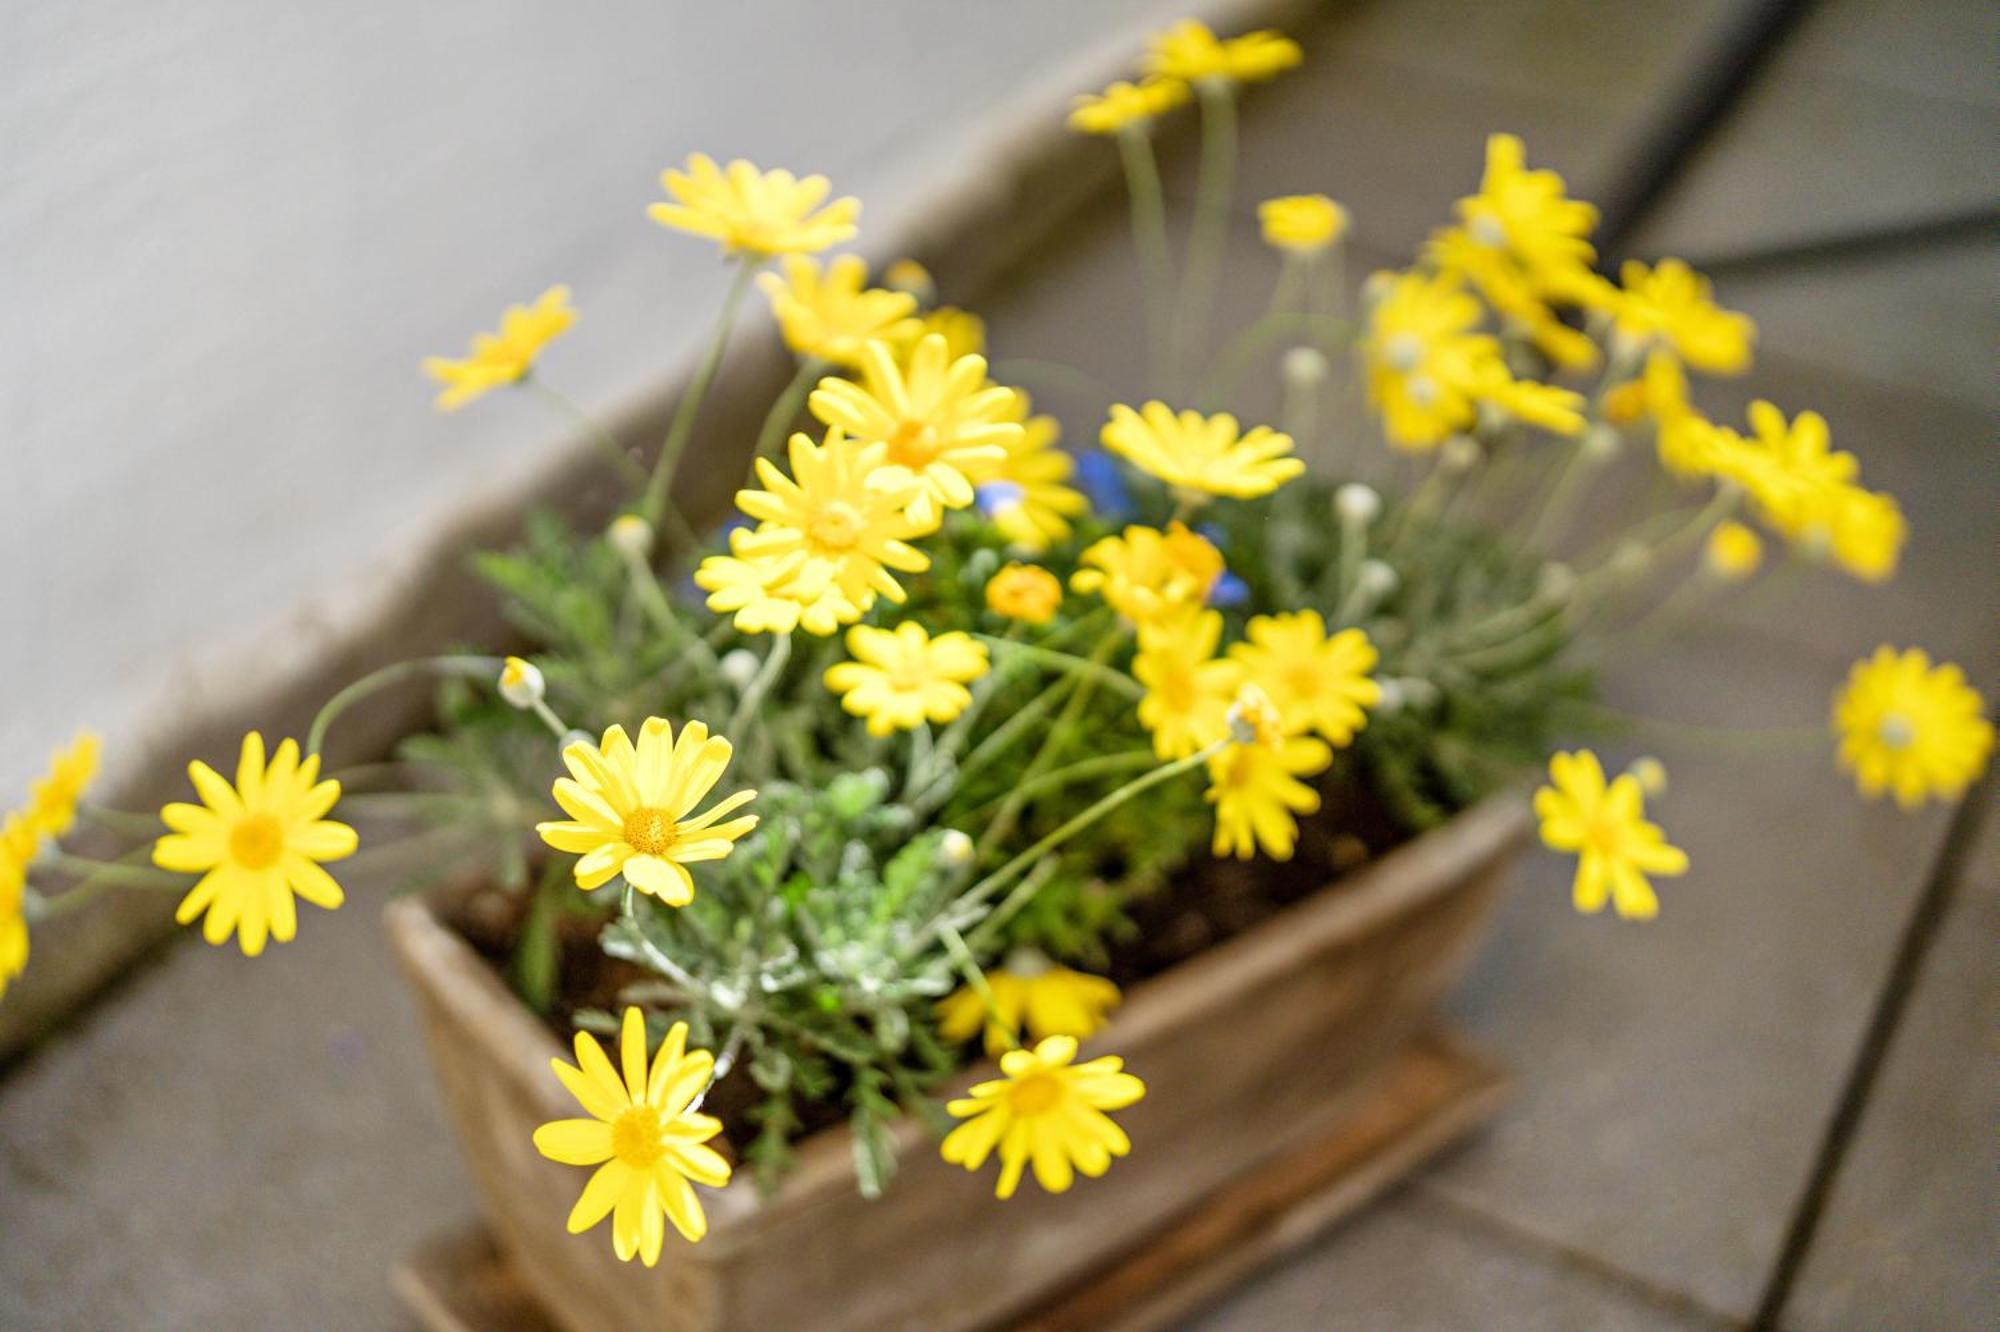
[(1273, 1061)]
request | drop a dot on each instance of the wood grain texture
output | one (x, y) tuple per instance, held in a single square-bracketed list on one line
[(1246, 1050)]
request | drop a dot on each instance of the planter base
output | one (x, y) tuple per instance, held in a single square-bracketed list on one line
[(1436, 1091)]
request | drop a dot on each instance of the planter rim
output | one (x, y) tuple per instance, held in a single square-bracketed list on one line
[(1424, 867)]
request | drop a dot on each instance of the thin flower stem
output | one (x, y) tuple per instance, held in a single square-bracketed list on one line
[(1138, 786), (1577, 469), (760, 684), (98, 877), (119, 820), (1068, 663), (961, 956), (1081, 770), (1327, 332), (785, 408), (487, 668), (1149, 236), (1003, 737), (615, 454), (1214, 186), (655, 503), (1082, 688), (659, 961)]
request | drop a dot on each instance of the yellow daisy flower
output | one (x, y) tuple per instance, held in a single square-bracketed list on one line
[(256, 844), (1027, 493), (940, 419), (503, 358), (907, 275), (1190, 51), (828, 537), (1301, 223), (1809, 491), (1733, 552), (1255, 784), (52, 806), (1123, 105), (1201, 455), (1031, 997), (754, 212), (903, 677), (1523, 305), (1316, 682), (1429, 368), (1188, 687), (1606, 826), (629, 808), (1911, 729), (964, 334), (1526, 218), (1024, 592), (643, 1135), (1673, 306), (1046, 1110), (834, 315), (18, 843), (1148, 575)]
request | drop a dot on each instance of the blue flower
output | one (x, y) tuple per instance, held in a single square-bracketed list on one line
[(1229, 590), (1097, 475), (996, 497)]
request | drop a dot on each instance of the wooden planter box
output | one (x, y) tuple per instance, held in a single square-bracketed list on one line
[(1252, 1052)]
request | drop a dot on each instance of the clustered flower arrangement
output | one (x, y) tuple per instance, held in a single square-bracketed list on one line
[(880, 773)]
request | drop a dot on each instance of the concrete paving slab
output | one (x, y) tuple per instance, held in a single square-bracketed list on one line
[(1907, 1240), (1416, 1265), (1673, 1075)]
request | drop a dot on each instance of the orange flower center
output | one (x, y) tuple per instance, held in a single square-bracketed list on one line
[(836, 525), (638, 1137), (914, 445), (256, 841), (1036, 1094), (650, 831)]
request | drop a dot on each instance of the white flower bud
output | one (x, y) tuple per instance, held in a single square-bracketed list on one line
[(1418, 692), (1306, 366), (521, 682), (1375, 288), (1555, 581), (1600, 443), (1391, 700), (955, 848), (1650, 773), (739, 667), (1630, 558), (1461, 454), (1376, 579), (631, 536), (1357, 503)]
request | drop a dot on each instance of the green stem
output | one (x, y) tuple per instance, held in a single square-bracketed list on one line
[(1138, 786), (1003, 737), (961, 956), (1084, 686), (785, 409), (655, 505), (1327, 332), (621, 461), (1149, 237), (760, 684), (1080, 771), (1213, 188), (487, 668), (1576, 470), (1066, 662), (98, 877)]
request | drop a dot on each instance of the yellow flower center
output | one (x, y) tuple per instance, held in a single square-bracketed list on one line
[(914, 445), (1036, 1094), (836, 525), (638, 1137), (650, 831), (1604, 835), (1896, 731), (1177, 690), (256, 841)]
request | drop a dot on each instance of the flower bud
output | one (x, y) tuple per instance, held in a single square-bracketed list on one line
[(1391, 700), (1600, 443), (1555, 581), (521, 682), (1306, 366), (1376, 579), (1650, 773), (1357, 504), (1461, 453), (955, 849), (911, 278), (1733, 553), (631, 536), (739, 667), (1630, 558)]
